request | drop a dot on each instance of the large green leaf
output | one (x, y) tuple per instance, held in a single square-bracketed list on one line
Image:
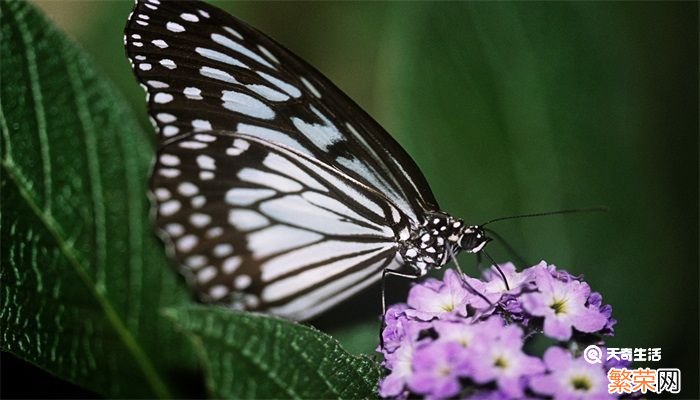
[(253, 356), (85, 282), (83, 277)]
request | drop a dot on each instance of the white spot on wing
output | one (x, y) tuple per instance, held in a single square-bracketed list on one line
[(245, 104), (189, 17), (203, 137), (186, 243), (206, 274), (267, 54), (163, 98), (166, 118), (169, 160), (157, 84), (241, 144), (222, 250), (268, 93), (214, 232), (322, 136), (242, 282), (218, 292), (170, 130), (196, 261), (311, 87), (174, 230), (187, 189), (191, 144), (246, 220), (205, 162), (192, 93), (226, 42), (233, 32), (231, 264), (198, 201), (284, 86), (245, 196), (160, 43), (167, 63), (201, 125), (217, 74), (220, 57), (200, 220), (162, 194), (174, 27), (169, 172)]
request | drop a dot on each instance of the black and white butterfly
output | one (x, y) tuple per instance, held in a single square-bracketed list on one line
[(274, 190)]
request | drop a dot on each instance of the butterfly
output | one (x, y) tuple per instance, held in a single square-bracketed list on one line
[(273, 190)]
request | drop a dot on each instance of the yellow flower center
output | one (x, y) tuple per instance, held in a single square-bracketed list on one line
[(500, 362), (559, 306), (581, 383)]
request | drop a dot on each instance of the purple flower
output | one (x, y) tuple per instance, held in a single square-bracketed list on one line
[(493, 288), (563, 306), (490, 395), (498, 355), (596, 300), (437, 367), (395, 324), (399, 362), (464, 337), (569, 378), (439, 301), (463, 332)]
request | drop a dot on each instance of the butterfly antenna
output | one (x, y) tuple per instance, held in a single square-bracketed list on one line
[(542, 214), (495, 265), (463, 277)]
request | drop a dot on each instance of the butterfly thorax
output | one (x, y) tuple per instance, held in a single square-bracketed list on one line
[(431, 243)]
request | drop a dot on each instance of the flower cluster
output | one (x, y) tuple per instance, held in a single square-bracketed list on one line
[(465, 337)]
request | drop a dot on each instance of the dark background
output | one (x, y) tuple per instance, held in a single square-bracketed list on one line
[(508, 108)]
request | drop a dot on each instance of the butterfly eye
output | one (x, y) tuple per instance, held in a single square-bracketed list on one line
[(474, 239)]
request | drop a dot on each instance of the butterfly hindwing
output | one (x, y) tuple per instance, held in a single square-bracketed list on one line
[(261, 226), (206, 70)]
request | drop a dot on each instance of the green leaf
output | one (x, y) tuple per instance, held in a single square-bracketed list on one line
[(85, 281), (254, 356), (83, 277)]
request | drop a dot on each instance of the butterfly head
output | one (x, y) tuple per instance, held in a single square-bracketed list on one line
[(473, 239)]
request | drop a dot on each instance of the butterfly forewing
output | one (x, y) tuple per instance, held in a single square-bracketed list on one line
[(262, 226), (275, 191), (205, 69)]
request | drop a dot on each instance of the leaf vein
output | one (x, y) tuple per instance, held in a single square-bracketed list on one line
[(37, 98)]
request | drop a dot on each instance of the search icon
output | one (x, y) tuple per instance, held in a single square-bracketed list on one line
[(593, 354)]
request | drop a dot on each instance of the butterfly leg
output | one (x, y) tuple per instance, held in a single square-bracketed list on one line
[(391, 272)]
